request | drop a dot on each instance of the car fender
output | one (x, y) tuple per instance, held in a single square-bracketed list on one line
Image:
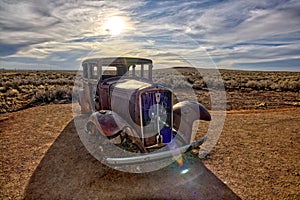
[(107, 122), (184, 114)]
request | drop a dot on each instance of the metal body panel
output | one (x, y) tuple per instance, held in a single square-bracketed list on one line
[(132, 84), (184, 115), (107, 122)]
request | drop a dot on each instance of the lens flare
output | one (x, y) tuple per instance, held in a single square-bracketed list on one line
[(184, 170), (179, 159), (177, 156)]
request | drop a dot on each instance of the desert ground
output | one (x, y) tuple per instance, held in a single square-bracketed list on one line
[(256, 157)]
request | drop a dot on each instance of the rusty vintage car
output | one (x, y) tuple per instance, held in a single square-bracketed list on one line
[(132, 112)]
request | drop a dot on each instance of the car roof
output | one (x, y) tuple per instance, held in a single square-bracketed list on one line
[(113, 61)]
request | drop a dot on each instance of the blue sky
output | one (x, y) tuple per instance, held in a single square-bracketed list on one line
[(249, 34)]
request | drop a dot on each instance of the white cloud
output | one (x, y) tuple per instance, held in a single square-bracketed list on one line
[(231, 32)]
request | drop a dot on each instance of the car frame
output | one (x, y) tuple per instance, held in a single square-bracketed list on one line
[(125, 106)]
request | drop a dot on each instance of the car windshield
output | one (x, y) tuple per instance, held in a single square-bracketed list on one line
[(95, 69)]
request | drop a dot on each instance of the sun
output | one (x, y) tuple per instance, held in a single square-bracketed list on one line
[(114, 25)]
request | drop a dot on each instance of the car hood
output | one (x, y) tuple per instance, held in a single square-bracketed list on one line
[(131, 84)]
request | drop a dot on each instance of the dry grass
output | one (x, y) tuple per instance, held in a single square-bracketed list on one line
[(232, 79), (24, 89)]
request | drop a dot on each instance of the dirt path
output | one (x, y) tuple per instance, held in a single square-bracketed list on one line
[(257, 156), (25, 137), (68, 171)]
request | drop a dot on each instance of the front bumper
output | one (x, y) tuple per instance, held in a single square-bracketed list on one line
[(150, 157)]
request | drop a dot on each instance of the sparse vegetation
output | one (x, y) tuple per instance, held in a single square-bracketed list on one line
[(244, 89), (237, 80), (23, 89)]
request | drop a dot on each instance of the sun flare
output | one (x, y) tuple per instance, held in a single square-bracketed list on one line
[(114, 25)]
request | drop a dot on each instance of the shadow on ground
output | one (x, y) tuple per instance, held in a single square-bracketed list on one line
[(68, 171)]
